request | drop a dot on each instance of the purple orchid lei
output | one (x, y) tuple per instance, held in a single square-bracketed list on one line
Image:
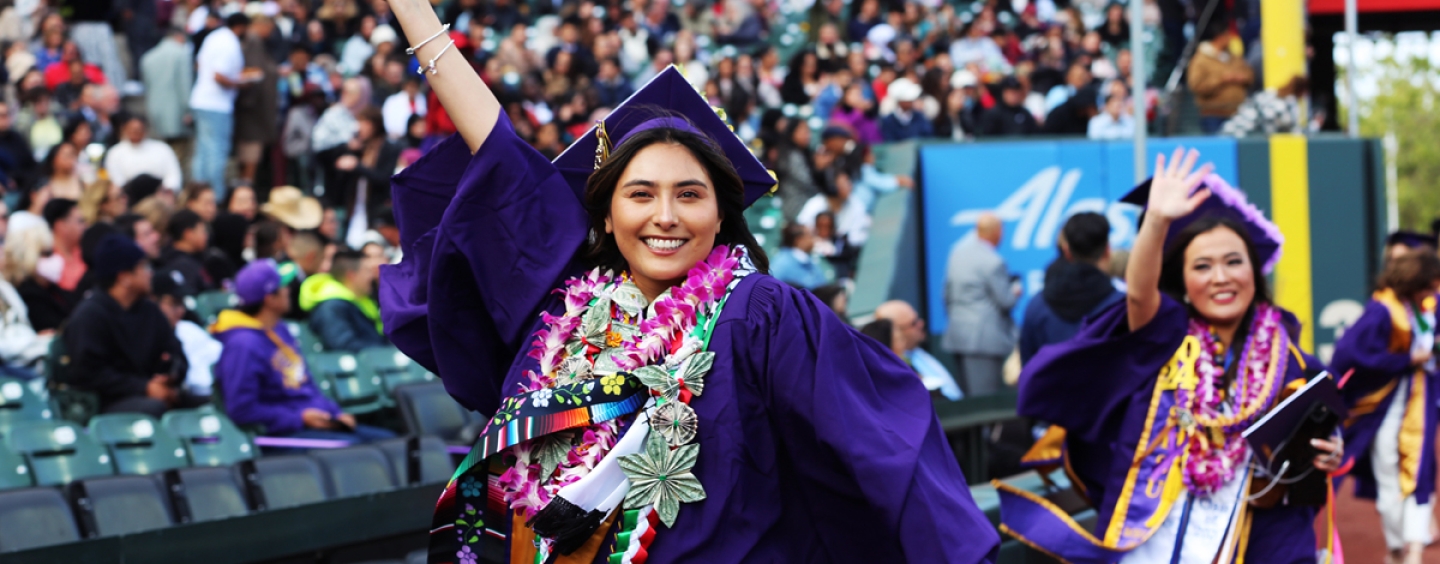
[(676, 315), (1209, 466)]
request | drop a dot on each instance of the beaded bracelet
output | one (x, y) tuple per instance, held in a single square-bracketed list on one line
[(430, 68), (443, 29)]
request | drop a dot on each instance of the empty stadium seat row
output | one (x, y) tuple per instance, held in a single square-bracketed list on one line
[(117, 505)]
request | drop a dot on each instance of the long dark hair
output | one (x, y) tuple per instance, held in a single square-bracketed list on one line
[(729, 191), (1172, 276)]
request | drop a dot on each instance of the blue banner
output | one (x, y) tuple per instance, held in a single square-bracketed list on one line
[(1034, 187)]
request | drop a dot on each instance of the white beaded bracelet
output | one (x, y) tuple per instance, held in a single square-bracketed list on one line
[(443, 29), (430, 68)]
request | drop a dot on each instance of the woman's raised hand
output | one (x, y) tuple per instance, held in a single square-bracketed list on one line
[(1170, 189)]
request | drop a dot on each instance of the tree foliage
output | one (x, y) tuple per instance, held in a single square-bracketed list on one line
[(1406, 102)]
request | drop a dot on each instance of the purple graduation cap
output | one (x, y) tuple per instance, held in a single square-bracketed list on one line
[(1226, 201), (1410, 239), (670, 94)]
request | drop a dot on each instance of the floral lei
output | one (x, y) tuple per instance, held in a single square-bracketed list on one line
[(1211, 420), (607, 329)]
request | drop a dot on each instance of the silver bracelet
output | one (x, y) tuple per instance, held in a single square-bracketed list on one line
[(443, 29), (430, 68)]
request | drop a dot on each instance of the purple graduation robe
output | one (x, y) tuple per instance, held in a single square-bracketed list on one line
[(1098, 387), (817, 445), (1377, 349)]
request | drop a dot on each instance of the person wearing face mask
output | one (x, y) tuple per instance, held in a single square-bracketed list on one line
[(22, 348), (1391, 393), (1151, 396), (640, 225)]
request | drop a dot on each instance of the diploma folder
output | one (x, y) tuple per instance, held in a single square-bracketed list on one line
[(1283, 435)]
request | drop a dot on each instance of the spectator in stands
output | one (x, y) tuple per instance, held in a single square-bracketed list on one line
[(169, 76), (1219, 79), (68, 226), (1008, 117), (795, 168), (22, 348), (795, 264), (1268, 113), (1113, 123), (121, 347), (611, 84), (262, 374), (905, 122), (1072, 117), (960, 113), (1115, 32), (62, 173), (241, 202), (359, 173), (137, 154), (978, 295), (257, 104), (908, 336), (220, 72), (1077, 77), (834, 296), (17, 158), (883, 331), (342, 313), (183, 261), (1077, 285), (33, 268), (199, 197), (140, 230), (90, 28), (337, 125), (39, 121), (852, 222), (306, 253), (402, 107), (201, 350), (872, 184)]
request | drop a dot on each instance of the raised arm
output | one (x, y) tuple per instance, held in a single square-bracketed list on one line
[(1170, 199), (465, 96)]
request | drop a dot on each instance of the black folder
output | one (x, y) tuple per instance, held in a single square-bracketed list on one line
[(1283, 436)]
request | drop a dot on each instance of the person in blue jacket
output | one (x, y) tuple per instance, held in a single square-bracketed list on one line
[(342, 313), (262, 374), (1076, 285)]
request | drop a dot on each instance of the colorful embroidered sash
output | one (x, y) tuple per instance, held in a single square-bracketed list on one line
[(1152, 485)]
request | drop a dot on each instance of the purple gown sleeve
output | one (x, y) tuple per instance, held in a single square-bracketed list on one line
[(1085, 384), (1365, 348), (870, 454), (486, 239)]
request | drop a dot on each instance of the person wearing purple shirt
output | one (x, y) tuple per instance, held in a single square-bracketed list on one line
[(262, 376), (818, 445), (1150, 389)]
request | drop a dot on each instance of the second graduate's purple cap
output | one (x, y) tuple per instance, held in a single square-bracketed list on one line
[(1225, 201), (670, 93)]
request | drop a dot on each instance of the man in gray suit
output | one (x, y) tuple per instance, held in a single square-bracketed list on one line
[(978, 299)]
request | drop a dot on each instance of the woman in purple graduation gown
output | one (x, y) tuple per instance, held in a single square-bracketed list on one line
[(1392, 389), (1149, 400), (610, 312)]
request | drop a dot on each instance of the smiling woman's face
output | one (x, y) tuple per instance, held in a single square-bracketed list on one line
[(664, 215), (1219, 278)]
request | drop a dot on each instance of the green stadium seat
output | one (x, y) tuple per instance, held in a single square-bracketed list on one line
[(428, 409), (305, 337), (137, 443), (121, 505), (278, 482), (19, 403), (59, 451), (207, 494), (14, 472), (70, 402), (436, 465), (393, 368), (338, 373), (209, 437), (35, 517), (208, 305), (355, 471)]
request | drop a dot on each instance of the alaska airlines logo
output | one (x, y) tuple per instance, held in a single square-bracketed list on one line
[(1042, 204)]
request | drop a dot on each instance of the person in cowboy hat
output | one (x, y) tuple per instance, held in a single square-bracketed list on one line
[(765, 436)]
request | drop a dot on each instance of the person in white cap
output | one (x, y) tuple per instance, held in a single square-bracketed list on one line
[(904, 122)]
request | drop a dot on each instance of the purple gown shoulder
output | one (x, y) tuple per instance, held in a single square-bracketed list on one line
[(487, 238)]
